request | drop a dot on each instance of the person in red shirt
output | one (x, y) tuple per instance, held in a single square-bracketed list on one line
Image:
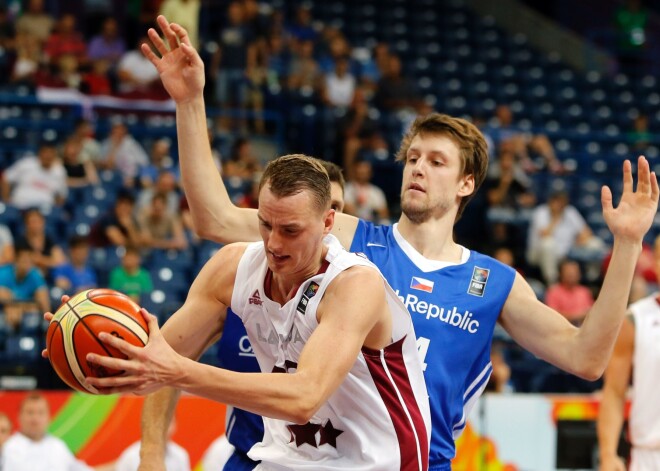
[(568, 296)]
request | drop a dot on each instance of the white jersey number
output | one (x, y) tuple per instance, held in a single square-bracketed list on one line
[(422, 350)]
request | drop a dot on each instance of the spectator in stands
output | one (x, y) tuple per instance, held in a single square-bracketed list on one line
[(364, 199), (632, 20), (28, 60), (122, 152), (339, 85), (32, 448), (46, 253), (396, 92), (66, 40), (556, 230), (6, 245), (7, 43), (232, 61), (118, 227), (22, 287), (90, 148), (96, 81), (76, 275), (130, 278), (524, 144), (569, 297), (160, 161), (507, 187), (184, 13), (358, 134), (304, 72), (108, 44), (136, 76), (160, 228), (166, 186), (35, 21), (242, 162), (302, 29), (499, 378), (640, 136), (36, 181), (80, 173)]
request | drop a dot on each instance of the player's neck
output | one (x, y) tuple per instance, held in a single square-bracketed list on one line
[(432, 239), (284, 287)]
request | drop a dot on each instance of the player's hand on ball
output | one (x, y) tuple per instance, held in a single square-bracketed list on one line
[(145, 369)]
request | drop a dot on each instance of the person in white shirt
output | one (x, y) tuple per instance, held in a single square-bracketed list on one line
[(36, 181), (31, 448), (176, 457)]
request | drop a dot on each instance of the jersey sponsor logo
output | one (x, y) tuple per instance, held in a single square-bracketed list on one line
[(451, 316), (309, 293), (374, 244), (255, 298), (478, 281), (421, 284)]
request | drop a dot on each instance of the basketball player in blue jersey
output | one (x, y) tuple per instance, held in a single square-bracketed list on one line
[(454, 295)]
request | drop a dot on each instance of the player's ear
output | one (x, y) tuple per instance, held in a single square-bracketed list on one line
[(328, 221), (466, 187)]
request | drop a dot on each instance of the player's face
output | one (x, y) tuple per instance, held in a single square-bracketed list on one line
[(336, 197), (292, 229), (33, 418), (432, 180)]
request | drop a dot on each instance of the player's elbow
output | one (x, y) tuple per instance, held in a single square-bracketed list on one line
[(306, 404), (591, 370)]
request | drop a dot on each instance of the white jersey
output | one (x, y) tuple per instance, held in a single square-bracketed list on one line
[(645, 410), (176, 458), (378, 418), (19, 453)]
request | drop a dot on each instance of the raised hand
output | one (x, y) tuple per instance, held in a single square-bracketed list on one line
[(179, 65), (633, 217), (146, 369)]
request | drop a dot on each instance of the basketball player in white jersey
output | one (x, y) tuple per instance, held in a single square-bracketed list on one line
[(637, 350), (342, 385)]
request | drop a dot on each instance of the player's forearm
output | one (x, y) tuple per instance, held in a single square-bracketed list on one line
[(157, 413), (610, 421), (282, 396), (601, 325), (214, 215)]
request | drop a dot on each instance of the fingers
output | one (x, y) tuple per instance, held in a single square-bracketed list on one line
[(643, 175), (654, 187), (152, 321), (166, 28), (149, 54), (130, 382), (120, 344), (48, 316), (65, 298), (44, 354), (627, 177), (118, 364), (606, 198), (157, 42), (181, 33)]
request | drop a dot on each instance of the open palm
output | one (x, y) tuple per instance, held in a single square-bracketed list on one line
[(179, 65), (633, 217)]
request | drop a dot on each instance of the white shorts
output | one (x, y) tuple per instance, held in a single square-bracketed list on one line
[(644, 459)]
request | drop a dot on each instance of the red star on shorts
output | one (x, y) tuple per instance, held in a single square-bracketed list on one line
[(329, 434)]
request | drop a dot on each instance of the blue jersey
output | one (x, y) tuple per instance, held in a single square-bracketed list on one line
[(243, 429), (454, 308)]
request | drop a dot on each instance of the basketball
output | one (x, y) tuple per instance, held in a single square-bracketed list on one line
[(74, 328)]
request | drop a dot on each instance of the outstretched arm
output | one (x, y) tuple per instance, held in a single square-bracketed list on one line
[(585, 351), (214, 215), (610, 414)]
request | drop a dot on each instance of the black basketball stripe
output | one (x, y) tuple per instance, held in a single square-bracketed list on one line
[(59, 326), (137, 336), (91, 332)]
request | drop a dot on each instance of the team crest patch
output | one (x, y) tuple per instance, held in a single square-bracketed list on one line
[(421, 284), (309, 293), (478, 281)]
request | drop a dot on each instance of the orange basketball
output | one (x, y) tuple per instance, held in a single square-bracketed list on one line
[(73, 331)]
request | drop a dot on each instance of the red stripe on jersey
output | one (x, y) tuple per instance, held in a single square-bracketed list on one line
[(391, 378)]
